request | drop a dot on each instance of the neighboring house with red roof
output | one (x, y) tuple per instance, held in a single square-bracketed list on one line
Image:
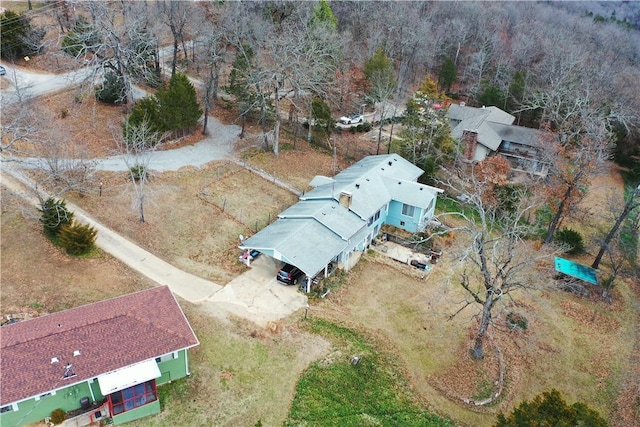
[(489, 131), (107, 358)]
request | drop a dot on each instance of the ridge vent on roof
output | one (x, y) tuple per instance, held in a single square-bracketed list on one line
[(76, 353), (54, 360)]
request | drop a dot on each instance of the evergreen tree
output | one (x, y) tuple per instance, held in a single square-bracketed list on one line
[(426, 135), (112, 90), (146, 111), (178, 108), (321, 113), (380, 74), (550, 409), (17, 37), (77, 239), (491, 95), (82, 39), (55, 215), (322, 14), (447, 76)]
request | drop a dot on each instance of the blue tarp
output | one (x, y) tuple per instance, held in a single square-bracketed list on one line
[(573, 269)]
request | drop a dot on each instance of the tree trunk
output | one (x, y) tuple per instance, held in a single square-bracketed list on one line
[(629, 206), (561, 208), (175, 52), (205, 121), (485, 321), (276, 129), (379, 137), (142, 209)]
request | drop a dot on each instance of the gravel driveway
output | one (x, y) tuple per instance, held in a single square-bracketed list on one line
[(219, 145)]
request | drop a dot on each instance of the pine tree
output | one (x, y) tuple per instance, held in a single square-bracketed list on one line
[(448, 73), (178, 104), (77, 239), (550, 409), (145, 112), (55, 215)]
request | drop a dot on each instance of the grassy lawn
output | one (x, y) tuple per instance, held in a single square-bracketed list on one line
[(335, 392), (240, 374)]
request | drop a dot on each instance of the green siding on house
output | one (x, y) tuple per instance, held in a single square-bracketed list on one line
[(172, 369), (141, 412), (68, 399), (31, 411)]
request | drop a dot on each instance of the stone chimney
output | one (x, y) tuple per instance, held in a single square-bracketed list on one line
[(469, 142)]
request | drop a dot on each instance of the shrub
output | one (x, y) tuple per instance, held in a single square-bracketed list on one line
[(112, 89), (81, 39), (138, 172), (572, 239), (77, 239), (58, 416), (550, 409), (516, 321), (55, 215)]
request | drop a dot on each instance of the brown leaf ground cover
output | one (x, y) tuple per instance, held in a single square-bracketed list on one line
[(193, 219)]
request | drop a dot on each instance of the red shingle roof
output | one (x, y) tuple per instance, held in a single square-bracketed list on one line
[(108, 334)]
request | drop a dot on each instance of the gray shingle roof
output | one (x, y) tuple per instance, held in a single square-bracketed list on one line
[(312, 232), (363, 180)]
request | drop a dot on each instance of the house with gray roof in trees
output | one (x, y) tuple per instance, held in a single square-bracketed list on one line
[(489, 131), (338, 219), (95, 362)]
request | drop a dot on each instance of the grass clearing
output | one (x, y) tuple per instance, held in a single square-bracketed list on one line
[(241, 374), (335, 391)]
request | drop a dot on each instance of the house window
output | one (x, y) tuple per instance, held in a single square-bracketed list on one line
[(408, 210), (8, 408), (166, 357), (132, 397), (374, 218), (45, 395)]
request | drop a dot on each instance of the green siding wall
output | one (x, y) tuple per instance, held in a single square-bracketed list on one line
[(141, 412), (172, 369), (31, 411)]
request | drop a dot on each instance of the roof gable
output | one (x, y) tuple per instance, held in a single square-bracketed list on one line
[(364, 181), (411, 193), (108, 335)]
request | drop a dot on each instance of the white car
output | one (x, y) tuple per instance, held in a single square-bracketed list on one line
[(353, 118)]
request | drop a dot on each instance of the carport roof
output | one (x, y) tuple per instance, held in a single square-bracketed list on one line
[(303, 242)]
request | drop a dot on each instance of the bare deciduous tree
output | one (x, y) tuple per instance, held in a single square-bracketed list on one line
[(632, 203), (136, 149), (497, 260)]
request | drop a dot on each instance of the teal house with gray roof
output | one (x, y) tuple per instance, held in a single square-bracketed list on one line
[(339, 218)]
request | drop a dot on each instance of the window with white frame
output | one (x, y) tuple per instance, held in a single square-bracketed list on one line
[(408, 210)]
